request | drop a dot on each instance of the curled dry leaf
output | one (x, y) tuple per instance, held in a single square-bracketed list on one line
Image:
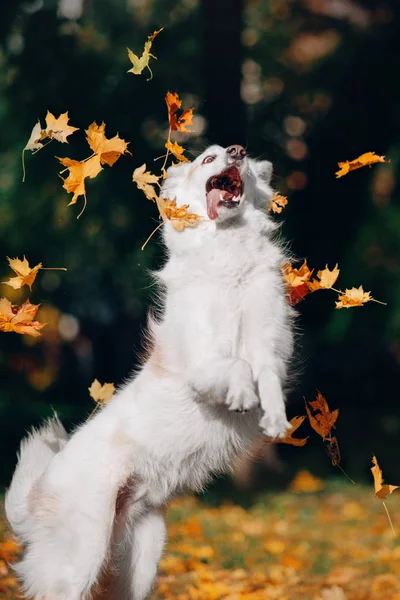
[(177, 151), (368, 158), (25, 274), (381, 490), (325, 279), (178, 119), (109, 150), (278, 203), (19, 318), (332, 450), (101, 393), (34, 142), (321, 418), (353, 297), (179, 216), (145, 180), (296, 281), (141, 63), (288, 439), (79, 170)]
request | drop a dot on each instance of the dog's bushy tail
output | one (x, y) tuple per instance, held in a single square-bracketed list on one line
[(36, 452)]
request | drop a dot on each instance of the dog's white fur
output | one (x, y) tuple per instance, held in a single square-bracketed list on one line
[(222, 345)]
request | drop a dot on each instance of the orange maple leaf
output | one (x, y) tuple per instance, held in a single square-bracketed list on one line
[(296, 281), (141, 63), (178, 119), (176, 150), (179, 216), (288, 439), (381, 490), (321, 418), (19, 318), (278, 203), (145, 180), (109, 150), (25, 274), (325, 279), (368, 158), (79, 170)]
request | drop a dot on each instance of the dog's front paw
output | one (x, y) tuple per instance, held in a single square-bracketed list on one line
[(275, 426), (241, 395)]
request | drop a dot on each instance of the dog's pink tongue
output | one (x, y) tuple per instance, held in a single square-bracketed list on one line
[(213, 197)]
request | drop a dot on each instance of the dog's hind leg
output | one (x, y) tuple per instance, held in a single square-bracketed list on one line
[(144, 542)]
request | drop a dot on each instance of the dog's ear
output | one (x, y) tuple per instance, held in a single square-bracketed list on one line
[(176, 175), (262, 169)]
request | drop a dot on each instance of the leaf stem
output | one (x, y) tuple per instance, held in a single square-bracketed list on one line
[(390, 520), (152, 233)]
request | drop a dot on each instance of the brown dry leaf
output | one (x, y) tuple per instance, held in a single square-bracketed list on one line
[(25, 274), (332, 450), (144, 180), (109, 150), (368, 158), (278, 203), (176, 150), (79, 170), (288, 439), (141, 63), (353, 297), (179, 216), (326, 279), (19, 318), (381, 490), (58, 129), (178, 119), (296, 281), (305, 482), (101, 393), (321, 418)]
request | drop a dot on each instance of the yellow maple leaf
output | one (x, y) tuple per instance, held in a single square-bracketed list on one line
[(101, 393), (19, 318), (288, 439), (353, 297), (278, 203), (109, 150), (144, 180), (179, 216), (79, 170), (58, 129), (141, 63), (176, 150), (25, 274), (34, 142), (326, 279), (178, 119), (381, 490), (368, 158)]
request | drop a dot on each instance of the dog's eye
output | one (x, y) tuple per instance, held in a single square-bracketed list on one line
[(208, 159)]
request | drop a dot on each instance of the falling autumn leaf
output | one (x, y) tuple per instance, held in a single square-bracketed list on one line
[(332, 450), (101, 393), (19, 318), (109, 150), (58, 129), (353, 297), (176, 150), (278, 203), (321, 418), (141, 63), (178, 119), (79, 170), (144, 180), (325, 279), (179, 216), (296, 281), (368, 158), (25, 274), (381, 490), (34, 142), (288, 439)]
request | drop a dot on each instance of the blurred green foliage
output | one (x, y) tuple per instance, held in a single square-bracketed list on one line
[(303, 84)]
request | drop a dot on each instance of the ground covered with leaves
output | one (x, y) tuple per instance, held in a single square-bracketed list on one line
[(332, 544)]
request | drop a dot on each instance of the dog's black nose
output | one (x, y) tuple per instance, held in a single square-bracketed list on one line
[(236, 151)]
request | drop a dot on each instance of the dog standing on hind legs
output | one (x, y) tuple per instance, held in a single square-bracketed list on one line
[(213, 382)]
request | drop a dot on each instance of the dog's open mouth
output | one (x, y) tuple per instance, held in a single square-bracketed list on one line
[(224, 189)]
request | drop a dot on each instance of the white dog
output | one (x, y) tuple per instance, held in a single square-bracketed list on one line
[(212, 383)]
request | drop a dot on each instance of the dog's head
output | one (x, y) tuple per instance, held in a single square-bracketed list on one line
[(220, 183)]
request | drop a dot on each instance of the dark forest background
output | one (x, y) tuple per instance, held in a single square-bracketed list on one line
[(303, 83)]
